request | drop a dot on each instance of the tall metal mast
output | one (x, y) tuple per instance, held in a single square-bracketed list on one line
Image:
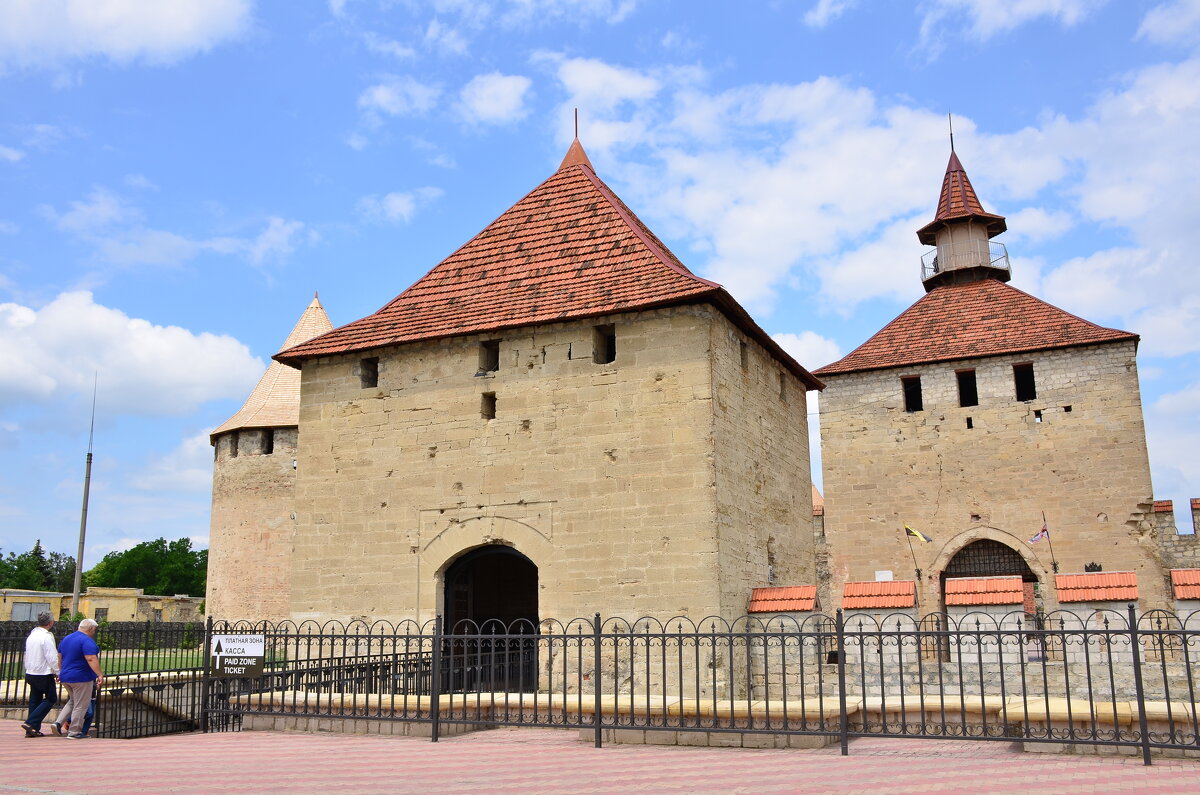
[(87, 484)]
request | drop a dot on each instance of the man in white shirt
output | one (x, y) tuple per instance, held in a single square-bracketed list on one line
[(41, 674)]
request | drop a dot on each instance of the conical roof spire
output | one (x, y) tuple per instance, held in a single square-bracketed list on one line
[(957, 203), (575, 157), (275, 401)]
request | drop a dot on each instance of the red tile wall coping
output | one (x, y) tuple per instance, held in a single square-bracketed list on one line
[(969, 321), (783, 599), (568, 250), (1195, 503), (1163, 506), (869, 594), (985, 591), (1186, 583), (1097, 586)]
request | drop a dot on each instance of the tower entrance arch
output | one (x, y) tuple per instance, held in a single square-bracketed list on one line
[(987, 557), (493, 583)]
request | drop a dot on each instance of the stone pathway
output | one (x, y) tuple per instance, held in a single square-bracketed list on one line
[(546, 760)]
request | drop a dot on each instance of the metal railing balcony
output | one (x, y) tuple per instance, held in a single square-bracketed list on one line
[(972, 254)]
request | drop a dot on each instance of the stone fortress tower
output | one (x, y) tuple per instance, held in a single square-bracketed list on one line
[(558, 418), (254, 476), (976, 410)]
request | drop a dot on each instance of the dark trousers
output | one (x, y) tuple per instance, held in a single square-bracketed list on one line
[(43, 692)]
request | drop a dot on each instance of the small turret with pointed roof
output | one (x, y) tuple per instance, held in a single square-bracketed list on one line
[(962, 231)]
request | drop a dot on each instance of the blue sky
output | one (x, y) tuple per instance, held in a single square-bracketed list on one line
[(177, 179)]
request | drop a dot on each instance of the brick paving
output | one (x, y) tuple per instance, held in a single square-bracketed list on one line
[(546, 760)]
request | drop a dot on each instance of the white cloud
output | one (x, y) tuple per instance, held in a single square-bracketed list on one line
[(397, 207), (7, 228), (1037, 224), (115, 228), (826, 11), (144, 370), (11, 155), (809, 348), (140, 182), (1184, 403), (37, 33), (399, 96), (382, 46), (1174, 22), (494, 98), (983, 19), (187, 468), (445, 38)]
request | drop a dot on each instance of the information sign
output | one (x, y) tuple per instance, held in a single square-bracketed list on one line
[(238, 655)]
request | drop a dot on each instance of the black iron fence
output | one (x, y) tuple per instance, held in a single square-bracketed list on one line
[(1083, 679)]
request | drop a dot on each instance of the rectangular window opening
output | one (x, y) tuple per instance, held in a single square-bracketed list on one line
[(1037, 416), (912, 393), (970, 423), (487, 406), (489, 356), (604, 344), (268, 441), (368, 372), (1067, 409), (968, 392), (783, 386), (233, 444), (1023, 378), (744, 354), (101, 614)]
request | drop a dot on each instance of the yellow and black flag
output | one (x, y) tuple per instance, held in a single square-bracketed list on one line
[(917, 534)]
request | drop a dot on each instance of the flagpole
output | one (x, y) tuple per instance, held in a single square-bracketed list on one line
[(917, 568), (87, 483), (1050, 541)]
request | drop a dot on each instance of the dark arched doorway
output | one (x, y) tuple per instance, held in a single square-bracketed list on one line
[(493, 583), (990, 558), (491, 612)]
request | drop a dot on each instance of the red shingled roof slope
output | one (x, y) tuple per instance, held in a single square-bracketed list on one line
[(1186, 583), (568, 250), (968, 321), (1097, 587), (984, 591), (776, 600), (893, 593)]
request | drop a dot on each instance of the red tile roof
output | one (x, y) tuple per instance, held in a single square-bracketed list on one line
[(569, 250), (1163, 506), (985, 591), (818, 502), (778, 600), (1186, 583), (971, 320), (958, 202), (1102, 586), (893, 593)]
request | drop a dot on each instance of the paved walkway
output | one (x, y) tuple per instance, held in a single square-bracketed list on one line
[(545, 760)]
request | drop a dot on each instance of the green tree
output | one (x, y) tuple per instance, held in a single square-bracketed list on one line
[(62, 572), (157, 567), (31, 571)]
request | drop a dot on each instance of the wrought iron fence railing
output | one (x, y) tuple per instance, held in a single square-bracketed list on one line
[(1102, 678)]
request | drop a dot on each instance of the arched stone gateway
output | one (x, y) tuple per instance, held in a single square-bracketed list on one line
[(990, 553), (490, 583)]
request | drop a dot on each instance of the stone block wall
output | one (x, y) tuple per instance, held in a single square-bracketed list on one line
[(604, 475), (250, 543), (1179, 550), (1077, 452)]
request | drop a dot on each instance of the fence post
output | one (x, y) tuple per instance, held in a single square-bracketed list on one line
[(843, 718), (596, 678), (1136, 648), (206, 680), (435, 685)]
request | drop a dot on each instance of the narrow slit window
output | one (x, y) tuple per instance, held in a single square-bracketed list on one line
[(268, 442), (912, 393), (487, 406), (968, 392), (783, 386), (970, 423), (1025, 384), (744, 354), (489, 356), (233, 444), (368, 372), (604, 345)]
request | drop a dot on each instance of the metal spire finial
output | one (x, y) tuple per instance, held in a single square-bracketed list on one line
[(950, 119), (577, 124)]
